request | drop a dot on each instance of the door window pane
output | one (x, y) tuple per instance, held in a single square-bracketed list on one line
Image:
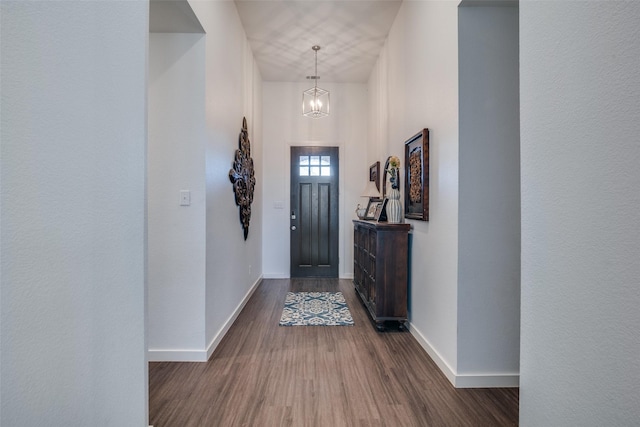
[(315, 165), (304, 165), (325, 168)]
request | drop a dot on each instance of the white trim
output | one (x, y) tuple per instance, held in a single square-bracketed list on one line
[(177, 355), (479, 380), (435, 356), (276, 276), (487, 380), (202, 355), (488, 3), (348, 276), (223, 331)]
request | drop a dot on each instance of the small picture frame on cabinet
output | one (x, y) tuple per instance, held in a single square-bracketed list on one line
[(372, 208), (381, 211)]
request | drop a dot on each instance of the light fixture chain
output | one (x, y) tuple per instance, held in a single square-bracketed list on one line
[(316, 73)]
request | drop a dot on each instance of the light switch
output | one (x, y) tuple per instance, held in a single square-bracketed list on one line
[(185, 198)]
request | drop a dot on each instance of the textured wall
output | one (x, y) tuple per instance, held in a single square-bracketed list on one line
[(175, 162), (73, 172), (285, 126), (200, 267), (459, 78), (580, 103), (415, 85), (233, 91), (489, 209)]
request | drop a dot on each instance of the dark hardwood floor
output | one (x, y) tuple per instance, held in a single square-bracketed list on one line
[(263, 374)]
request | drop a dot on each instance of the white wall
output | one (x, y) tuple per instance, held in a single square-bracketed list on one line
[(285, 126), (464, 272), (233, 90), (175, 162), (201, 271), (489, 198), (73, 214), (416, 82), (580, 103)]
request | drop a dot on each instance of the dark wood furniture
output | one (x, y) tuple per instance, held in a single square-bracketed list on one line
[(380, 265)]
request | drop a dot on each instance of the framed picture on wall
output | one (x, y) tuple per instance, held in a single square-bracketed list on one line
[(374, 174), (416, 176)]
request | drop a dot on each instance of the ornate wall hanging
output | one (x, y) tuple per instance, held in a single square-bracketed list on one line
[(243, 178), (416, 176)]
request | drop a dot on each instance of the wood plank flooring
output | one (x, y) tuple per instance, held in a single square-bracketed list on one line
[(263, 374)]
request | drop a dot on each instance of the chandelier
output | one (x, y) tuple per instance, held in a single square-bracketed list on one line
[(315, 101)]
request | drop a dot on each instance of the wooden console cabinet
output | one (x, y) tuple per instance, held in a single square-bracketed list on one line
[(380, 268)]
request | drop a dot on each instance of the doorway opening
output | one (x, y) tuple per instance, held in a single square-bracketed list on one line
[(314, 216)]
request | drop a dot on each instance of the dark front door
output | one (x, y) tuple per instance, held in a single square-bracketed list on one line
[(314, 212)]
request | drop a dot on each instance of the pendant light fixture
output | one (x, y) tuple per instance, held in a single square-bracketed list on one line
[(315, 101)]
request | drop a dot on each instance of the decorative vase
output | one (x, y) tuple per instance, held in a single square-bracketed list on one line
[(394, 207)]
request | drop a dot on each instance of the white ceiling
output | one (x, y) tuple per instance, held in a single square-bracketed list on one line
[(350, 33)]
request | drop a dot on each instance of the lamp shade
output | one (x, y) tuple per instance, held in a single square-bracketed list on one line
[(370, 190)]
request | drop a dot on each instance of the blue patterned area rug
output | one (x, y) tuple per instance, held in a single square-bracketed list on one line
[(315, 309)]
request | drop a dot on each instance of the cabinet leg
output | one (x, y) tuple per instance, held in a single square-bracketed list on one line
[(380, 326)]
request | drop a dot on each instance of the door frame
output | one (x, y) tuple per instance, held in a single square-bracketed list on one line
[(342, 245)]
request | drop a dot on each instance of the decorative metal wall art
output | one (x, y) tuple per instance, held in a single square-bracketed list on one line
[(243, 178)]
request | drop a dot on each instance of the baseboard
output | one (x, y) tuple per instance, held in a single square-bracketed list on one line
[(202, 355), (227, 325), (488, 381), (287, 276), (433, 353), (465, 380), (275, 276), (177, 355)]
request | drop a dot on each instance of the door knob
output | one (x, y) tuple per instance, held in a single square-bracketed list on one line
[(293, 227)]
